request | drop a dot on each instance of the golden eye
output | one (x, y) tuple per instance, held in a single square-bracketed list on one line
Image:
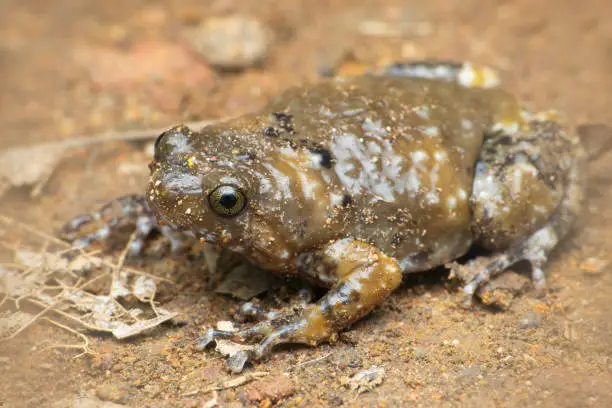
[(227, 200)]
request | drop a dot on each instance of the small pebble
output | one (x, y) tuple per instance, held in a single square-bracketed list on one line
[(419, 353), (530, 321), (469, 373), (272, 389), (233, 42), (113, 391), (594, 266), (89, 402)]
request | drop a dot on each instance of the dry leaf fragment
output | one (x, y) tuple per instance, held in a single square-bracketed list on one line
[(144, 288), (125, 331), (15, 284), (29, 165), (11, 322), (367, 379)]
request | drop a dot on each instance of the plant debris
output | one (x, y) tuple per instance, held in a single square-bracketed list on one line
[(80, 287), (365, 380)]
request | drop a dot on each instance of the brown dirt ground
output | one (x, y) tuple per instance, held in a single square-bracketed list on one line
[(553, 53)]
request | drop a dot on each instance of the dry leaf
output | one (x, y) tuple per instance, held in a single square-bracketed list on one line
[(125, 331), (29, 165), (246, 281), (14, 284), (11, 322)]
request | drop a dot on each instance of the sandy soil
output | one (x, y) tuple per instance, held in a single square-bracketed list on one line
[(71, 68)]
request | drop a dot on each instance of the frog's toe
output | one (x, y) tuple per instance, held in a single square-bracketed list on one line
[(481, 270), (538, 277), (251, 311), (258, 330), (122, 216), (476, 273), (123, 213), (271, 332), (210, 336)]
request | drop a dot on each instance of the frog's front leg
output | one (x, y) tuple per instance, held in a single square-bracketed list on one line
[(130, 213), (361, 276), (527, 193), (252, 311)]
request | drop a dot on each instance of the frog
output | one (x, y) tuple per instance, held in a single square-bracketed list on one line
[(355, 181)]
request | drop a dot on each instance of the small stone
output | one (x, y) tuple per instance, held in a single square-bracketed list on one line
[(89, 402), (113, 391), (594, 266), (236, 361), (233, 42), (530, 320), (142, 64), (272, 388), (529, 360), (419, 353), (469, 373)]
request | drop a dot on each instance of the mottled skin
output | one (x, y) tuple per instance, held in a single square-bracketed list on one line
[(352, 181)]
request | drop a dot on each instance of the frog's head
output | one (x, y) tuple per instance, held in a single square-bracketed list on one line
[(215, 184)]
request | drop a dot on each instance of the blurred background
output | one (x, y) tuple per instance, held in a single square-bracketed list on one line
[(72, 69)]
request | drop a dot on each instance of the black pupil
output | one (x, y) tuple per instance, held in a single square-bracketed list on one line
[(228, 200)]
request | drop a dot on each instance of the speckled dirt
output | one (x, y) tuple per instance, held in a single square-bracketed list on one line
[(555, 351)]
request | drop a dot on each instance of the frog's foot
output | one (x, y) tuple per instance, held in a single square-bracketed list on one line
[(527, 194), (281, 328), (363, 276), (127, 214), (478, 272)]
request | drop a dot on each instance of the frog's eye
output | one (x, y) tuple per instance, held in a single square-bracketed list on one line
[(227, 200)]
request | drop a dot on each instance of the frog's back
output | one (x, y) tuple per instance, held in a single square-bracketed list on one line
[(402, 151)]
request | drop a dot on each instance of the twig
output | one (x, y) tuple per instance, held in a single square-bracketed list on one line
[(84, 347), (69, 316), (127, 136), (82, 286), (119, 266), (310, 362), (233, 383)]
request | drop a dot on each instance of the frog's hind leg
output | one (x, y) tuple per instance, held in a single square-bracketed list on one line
[(527, 193), (463, 73)]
